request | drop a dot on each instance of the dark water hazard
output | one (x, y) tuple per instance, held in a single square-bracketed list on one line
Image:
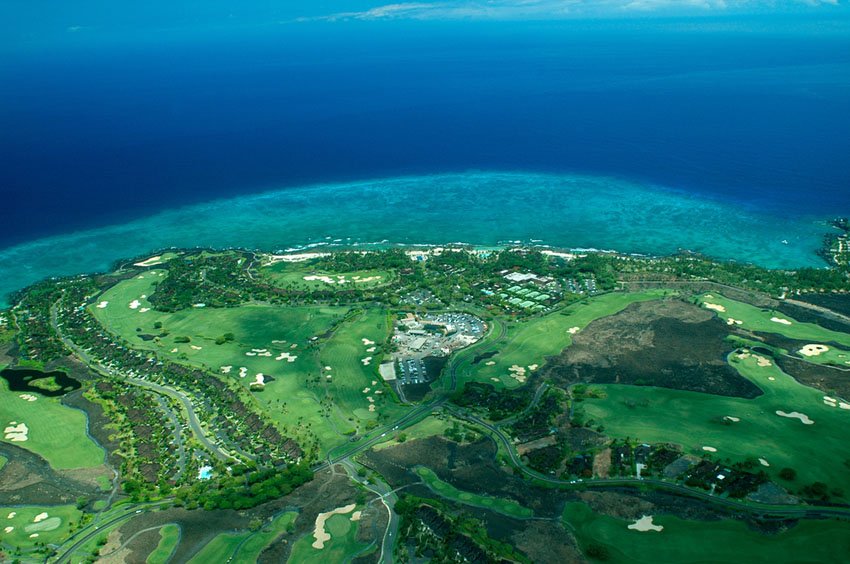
[(48, 384)]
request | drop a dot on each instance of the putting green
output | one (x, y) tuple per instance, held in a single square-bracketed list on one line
[(52, 525), (343, 545), (527, 344), (683, 541), (54, 431), (817, 451)]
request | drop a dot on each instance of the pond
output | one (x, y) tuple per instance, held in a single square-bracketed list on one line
[(49, 384)]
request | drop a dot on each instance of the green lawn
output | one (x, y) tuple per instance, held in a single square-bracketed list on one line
[(51, 529), (302, 277), (342, 546), (3, 461), (528, 343), (725, 541), (506, 507), (169, 536), (55, 432), (817, 452)]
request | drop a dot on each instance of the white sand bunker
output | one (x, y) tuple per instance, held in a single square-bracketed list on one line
[(11, 515), (732, 419), (243, 372), (762, 361), (286, 356), (715, 307), (490, 363), (319, 533), (366, 361), (259, 380), (372, 407), (144, 310), (832, 402), (135, 304), (153, 261), (226, 369), (40, 517), (533, 367), (796, 415), (102, 305), (16, 432), (573, 330), (645, 524), (325, 279), (764, 462), (517, 373), (328, 368), (780, 320), (28, 397), (367, 342), (196, 347), (366, 390), (356, 515), (732, 321), (371, 349), (174, 350), (709, 449), (813, 350), (8, 530)]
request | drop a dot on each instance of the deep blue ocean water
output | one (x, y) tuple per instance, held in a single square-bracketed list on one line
[(749, 122)]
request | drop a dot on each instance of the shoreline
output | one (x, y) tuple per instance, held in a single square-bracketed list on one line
[(578, 213), (311, 251)]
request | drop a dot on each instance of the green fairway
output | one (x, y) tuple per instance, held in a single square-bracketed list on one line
[(817, 451), (219, 549), (506, 507), (725, 541), (770, 321), (528, 343), (3, 461), (53, 431), (169, 536), (302, 277), (239, 548), (32, 524), (350, 371), (342, 546), (287, 347)]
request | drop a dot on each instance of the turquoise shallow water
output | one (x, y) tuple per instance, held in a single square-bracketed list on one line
[(477, 208)]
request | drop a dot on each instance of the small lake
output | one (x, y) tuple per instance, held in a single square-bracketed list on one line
[(49, 384)]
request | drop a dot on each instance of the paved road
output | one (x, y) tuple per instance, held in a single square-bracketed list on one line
[(65, 554), (779, 511), (389, 498), (95, 365)]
